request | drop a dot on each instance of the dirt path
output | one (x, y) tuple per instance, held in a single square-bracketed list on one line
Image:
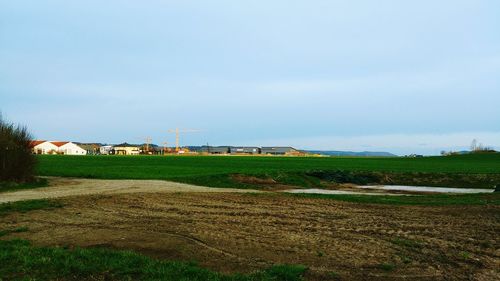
[(64, 187)]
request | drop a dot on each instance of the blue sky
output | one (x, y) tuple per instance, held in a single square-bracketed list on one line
[(398, 76)]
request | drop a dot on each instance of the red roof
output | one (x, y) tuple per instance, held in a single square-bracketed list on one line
[(34, 143), (59, 143)]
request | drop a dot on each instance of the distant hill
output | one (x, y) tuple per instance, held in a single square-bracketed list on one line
[(351, 153)]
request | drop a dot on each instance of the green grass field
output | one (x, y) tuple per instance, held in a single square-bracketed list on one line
[(213, 170), (167, 167)]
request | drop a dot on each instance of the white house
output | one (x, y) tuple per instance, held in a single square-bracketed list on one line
[(69, 148), (43, 147), (56, 147)]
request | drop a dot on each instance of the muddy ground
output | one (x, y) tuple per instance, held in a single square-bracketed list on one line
[(241, 232)]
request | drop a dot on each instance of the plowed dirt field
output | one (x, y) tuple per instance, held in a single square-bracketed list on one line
[(241, 232)]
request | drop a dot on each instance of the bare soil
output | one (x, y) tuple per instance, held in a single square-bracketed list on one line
[(242, 232)]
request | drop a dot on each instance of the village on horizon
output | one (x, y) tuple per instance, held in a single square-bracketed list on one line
[(77, 148)]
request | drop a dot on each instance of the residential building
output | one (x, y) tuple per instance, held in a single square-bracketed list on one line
[(56, 147), (43, 147), (69, 148), (91, 148), (127, 149)]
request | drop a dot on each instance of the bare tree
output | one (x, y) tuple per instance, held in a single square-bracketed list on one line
[(473, 145)]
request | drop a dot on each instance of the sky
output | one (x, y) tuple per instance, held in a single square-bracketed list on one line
[(388, 75)]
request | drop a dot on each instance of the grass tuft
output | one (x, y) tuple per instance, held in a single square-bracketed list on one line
[(387, 266), (407, 243)]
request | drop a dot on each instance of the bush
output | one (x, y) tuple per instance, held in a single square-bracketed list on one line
[(17, 163), (343, 176)]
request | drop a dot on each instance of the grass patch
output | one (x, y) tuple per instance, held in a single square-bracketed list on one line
[(412, 244), (320, 253), (387, 266), (29, 205), (12, 186), (15, 230), (334, 275), (22, 261), (465, 255), (405, 259), (424, 200)]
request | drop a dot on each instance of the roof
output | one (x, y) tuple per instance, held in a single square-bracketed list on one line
[(278, 149), (215, 149), (36, 142), (244, 149), (88, 143), (88, 146), (127, 145), (59, 143)]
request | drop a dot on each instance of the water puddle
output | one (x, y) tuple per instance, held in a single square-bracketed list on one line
[(388, 188), (426, 189), (327, 191)]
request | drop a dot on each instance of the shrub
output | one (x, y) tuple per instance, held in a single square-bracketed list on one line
[(344, 176), (17, 163)]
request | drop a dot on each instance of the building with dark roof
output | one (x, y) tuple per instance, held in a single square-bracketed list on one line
[(215, 149), (91, 148), (244, 150), (280, 150), (127, 149)]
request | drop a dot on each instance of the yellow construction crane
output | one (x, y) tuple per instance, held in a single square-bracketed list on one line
[(177, 132)]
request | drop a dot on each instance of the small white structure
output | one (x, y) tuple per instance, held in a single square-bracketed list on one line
[(69, 148), (43, 147), (105, 149)]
